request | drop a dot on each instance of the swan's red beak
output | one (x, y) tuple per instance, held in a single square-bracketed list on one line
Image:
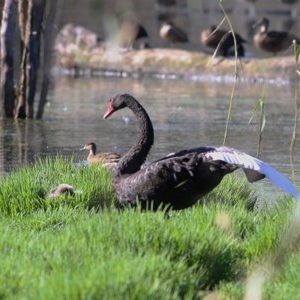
[(110, 110)]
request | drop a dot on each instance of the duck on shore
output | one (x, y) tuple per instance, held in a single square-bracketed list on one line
[(172, 34), (129, 32), (272, 41), (214, 37)]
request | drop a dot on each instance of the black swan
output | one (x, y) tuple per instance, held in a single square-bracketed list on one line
[(178, 180), (272, 41), (100, 158)]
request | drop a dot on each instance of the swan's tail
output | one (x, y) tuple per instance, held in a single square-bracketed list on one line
[(254, 168)]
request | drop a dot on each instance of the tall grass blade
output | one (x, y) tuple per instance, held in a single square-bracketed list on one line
[(260, 105), (219, 45), (235, 72), (296, 109)]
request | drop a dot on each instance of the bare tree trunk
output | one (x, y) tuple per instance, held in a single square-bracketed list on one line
[(31, 17), (24, 33), (37, 8), (49, 35), (7, 58)]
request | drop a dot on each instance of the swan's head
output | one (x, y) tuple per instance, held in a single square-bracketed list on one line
[(117, 102)]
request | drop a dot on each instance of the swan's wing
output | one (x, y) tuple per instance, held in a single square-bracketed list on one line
[(179, 167), (186, 151), (157, 178), (253, 167)]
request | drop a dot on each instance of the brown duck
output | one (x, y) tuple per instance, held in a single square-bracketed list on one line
[(172, 34), (214, 37), (178, 180), (61, 190), (272, 41), (129, 32), (100, 158)]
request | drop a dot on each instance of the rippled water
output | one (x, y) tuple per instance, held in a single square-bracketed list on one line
[(185, 114)]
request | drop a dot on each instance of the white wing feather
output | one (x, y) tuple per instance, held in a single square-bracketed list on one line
[(246, 161)]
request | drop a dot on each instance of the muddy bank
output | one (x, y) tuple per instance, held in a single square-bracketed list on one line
[(82, 56), (172, 63)]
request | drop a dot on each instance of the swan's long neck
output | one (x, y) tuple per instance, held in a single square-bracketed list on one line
[(131, 162)]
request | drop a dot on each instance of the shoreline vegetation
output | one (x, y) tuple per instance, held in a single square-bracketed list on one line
[(83, 247), (79, 57)]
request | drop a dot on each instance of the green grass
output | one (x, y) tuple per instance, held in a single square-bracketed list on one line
[(23, 192), (82, 247)]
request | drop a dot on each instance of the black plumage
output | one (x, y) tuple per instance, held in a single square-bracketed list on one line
[(214, 37)]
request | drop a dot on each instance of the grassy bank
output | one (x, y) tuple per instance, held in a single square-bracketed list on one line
[(82, 247)]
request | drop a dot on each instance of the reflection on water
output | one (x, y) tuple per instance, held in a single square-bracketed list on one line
[(185, 115), (20, 140)]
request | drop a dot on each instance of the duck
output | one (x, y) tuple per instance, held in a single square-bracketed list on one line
[(178, 180), (104, 158), (62, 189), (272, 41), (172, 34), (129, 32), (213, 37)]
